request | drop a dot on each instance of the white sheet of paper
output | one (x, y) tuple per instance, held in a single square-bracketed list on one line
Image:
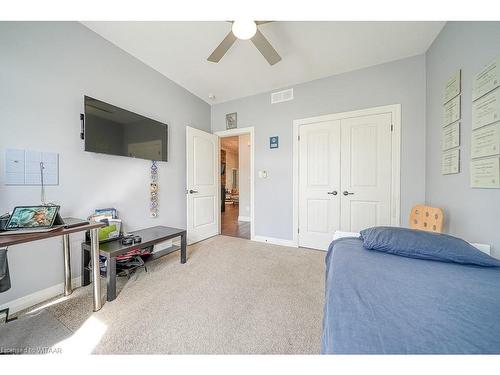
[(450, 162), (22, 167), (451, 87), (451, 136), (485, 141), (487, 79), (485, 173), (486, 109), (451, 111), (14, 167), (50, 164), (51, 168)]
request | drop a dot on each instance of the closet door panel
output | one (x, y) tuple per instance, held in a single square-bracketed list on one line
[(319, 178), (365, 172)]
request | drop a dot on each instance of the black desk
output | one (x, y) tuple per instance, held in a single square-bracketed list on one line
[(111, 250)]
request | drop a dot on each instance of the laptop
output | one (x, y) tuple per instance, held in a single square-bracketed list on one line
[(33, 219)]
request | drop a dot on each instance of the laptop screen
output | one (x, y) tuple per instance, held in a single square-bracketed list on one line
[(32, 217)]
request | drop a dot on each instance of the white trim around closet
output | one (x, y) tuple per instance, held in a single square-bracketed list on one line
[(395, 111)]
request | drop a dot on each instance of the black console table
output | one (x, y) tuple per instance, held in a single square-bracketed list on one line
[(111, 250)]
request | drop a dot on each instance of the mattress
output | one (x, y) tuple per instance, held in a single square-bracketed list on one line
[(379, 303)]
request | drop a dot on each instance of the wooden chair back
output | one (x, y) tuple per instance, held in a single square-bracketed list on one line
[(427, 218)]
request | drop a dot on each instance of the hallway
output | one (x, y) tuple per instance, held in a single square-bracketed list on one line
[(230, 226)]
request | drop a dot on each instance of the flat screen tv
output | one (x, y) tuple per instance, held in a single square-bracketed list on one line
[(116, 131)]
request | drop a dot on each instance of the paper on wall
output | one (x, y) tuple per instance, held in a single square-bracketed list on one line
[(452, 87), (486, 110), (486, 141), (450, 162), (451, 111), (487, 79), (485, 173), (451, 136)]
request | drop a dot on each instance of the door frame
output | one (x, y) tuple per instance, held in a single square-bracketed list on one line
[(395, 111), (231, 133)]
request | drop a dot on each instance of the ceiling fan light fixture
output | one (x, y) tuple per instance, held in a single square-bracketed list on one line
[(244, 29)]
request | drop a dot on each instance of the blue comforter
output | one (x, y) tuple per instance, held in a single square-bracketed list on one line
[(388, 304)]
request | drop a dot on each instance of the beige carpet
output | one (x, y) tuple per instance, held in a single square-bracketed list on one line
[(233, 296)]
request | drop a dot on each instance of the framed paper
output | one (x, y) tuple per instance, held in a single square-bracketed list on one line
[(451, 111), (486, 141), (486, 109), (451, 136), (485, 173), (452, 87), (486, 80), (450, 162), (232, 120)]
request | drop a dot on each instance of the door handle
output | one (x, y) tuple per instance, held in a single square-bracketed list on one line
[(332, 192), (345, 192), (192, 191)]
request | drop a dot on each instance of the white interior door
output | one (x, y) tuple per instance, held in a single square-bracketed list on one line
[(366, 167), (202, 185), (319, 183)]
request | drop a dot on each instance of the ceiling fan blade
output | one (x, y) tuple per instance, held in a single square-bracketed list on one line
[(262, 22), (222, 48), (267, 50)]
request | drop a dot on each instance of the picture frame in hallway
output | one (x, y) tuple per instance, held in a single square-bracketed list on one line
[(231, 120)]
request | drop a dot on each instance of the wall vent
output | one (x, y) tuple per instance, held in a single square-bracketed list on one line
[(281, 96)]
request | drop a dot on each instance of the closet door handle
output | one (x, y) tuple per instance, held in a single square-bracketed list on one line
[(192, 191), (332, 192), (345, 192)]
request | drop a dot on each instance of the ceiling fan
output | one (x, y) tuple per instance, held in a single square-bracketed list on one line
[(246, 30)]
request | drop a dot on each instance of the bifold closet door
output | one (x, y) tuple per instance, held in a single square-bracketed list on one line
[(319, 183), (366, 165)]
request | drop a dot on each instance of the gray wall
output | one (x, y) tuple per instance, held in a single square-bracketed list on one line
[(45, 70), (400, 82), (473, 214)]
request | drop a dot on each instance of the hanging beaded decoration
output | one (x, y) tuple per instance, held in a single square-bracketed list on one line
[(153, 190)]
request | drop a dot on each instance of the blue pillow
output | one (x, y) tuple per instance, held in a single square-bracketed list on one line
[(424, 245)]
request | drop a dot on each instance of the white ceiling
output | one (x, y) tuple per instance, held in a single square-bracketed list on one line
[(310, 50)]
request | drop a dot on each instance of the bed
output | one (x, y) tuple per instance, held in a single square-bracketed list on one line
[(381, 303)]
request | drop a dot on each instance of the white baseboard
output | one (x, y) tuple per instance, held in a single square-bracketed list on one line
[(275, 241), (38, 296), (244, 218)]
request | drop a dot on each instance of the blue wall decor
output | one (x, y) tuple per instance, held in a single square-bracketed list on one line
[(273, 142)]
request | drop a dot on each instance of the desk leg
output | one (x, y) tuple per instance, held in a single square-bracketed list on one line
[(67, 266), (183, 248), (111, 279), (85, 266), (96, 271)]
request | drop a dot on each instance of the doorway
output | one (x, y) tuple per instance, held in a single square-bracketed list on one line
[(346, 173), (236, 182)]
